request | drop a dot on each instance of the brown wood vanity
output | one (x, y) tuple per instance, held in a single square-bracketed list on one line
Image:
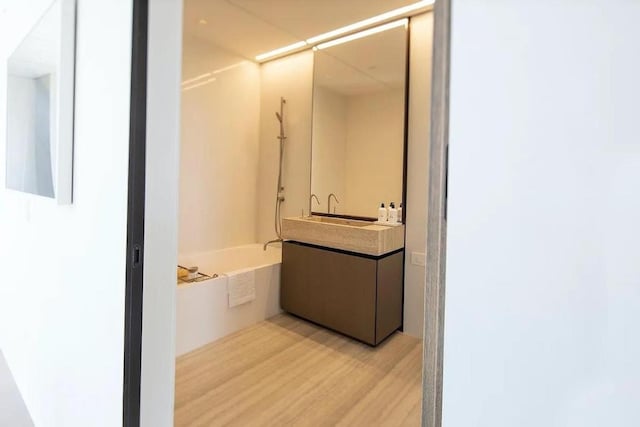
[(359, 295)]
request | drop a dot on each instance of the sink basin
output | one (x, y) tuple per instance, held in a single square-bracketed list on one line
[(340, 221), (350, 235)]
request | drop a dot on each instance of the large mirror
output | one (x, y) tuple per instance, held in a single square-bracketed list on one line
[(40, 79), (358, 137)]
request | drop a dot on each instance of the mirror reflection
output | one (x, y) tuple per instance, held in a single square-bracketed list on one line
[(359, 125)]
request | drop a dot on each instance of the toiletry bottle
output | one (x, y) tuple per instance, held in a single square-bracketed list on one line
[(393, 213), (382, 213), (400, 213)]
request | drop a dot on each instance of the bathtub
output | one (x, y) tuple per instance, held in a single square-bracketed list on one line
[(202, 311)]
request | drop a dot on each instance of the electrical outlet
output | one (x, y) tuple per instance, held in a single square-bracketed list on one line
[(418, 258)]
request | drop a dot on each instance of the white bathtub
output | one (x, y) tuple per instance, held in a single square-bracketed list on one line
[(202, 311)]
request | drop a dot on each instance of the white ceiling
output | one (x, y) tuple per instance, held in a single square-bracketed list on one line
[(249, 27)]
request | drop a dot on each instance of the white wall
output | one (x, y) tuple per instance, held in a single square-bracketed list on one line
[(328, 147), (421, 46), (374, 152), (20, 125), (292, 78), (13, 411), (161, 213), (63, 285), (29, 130), (543, 278), (219, 150)]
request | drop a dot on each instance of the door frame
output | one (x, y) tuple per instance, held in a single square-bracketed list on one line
[(436, 218), (135, 217), (433, 342)]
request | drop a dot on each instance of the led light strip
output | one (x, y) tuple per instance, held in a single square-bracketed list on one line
[(195, 79), (365, 33), (370, 21), (198, 81), (193, 86), (281, 50), (348, 29)]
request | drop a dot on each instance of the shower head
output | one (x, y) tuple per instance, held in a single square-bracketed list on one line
[(279, 117)]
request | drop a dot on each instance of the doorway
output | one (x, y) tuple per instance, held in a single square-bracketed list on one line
[(183, 88)]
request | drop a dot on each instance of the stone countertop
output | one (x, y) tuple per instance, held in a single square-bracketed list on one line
[(349, 235)]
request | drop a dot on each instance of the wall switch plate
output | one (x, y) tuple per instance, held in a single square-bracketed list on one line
[(418, 258)]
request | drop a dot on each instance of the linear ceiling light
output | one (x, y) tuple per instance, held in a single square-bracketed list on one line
[(405, 10), (193, 86), (365, 33), (370, 21), (211, 73), (195, 79), (280, 51)]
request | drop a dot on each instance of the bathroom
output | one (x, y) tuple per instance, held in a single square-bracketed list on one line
[(277, 128)]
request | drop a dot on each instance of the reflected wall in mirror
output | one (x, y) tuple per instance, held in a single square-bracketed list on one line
[(40, 79), (358, 137)]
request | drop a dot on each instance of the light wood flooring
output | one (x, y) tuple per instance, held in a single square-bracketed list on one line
[(288, 372)]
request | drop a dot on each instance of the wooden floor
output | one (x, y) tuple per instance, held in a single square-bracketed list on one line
[(287, 372)]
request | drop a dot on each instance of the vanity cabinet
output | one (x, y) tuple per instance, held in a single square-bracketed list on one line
[(355, 294)]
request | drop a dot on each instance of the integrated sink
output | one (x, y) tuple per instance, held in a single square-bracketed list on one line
[(351, 235), (339, 221)]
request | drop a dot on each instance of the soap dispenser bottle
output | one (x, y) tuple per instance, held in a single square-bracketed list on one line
[(393, 213), (400, 213), (382, 213)]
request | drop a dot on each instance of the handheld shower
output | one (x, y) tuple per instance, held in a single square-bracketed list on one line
[(280, 188)]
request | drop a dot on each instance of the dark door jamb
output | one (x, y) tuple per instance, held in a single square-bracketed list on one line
[(135, 216)]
